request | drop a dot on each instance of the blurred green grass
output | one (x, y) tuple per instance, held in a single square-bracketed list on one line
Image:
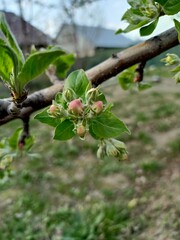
[(68, 194)]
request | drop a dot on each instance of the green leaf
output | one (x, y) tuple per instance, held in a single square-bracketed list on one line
[(135, 4), (13, 140), (148, 29), (64, 130), (176, 69), (177, 77), (177, 26), (143, 86), (125, 78), (102, 97), (162, 2), (132, 27), (37, 63), (107, 125), (135, 20), (91, 131), (29, 141), (8, 64), (59, 98), (78, 82), (119, 31), (170, 7), (140, 14), (11, 39), (63, 65), (45, 118)]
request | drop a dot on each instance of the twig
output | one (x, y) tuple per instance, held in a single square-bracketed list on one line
[(139, 72), (24, 134), (141, 52), (51, 73)]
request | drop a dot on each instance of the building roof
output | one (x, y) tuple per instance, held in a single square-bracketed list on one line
[(100, 37), (25, 33)]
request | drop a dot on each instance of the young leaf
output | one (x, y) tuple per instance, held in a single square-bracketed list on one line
[(176, 69), (107, 125), (148, 29), (170, 7), (8, 64), (126, 78), (140, 14), (37, 64), (177, 26), (13, 140), (64, 130), (29, 142), (143, 86), (135, 20), (63, 64), (78, 82), (102, 97), (45, 118), (135, 4), (177, 77), (91, 131), (11, 39)]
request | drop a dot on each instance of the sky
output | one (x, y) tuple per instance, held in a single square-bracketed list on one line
[(105, 13)]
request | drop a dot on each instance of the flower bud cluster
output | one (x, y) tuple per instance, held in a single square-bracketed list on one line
[(80, 110), (67, 105), (112, 148), (171, 59), (149, 11)]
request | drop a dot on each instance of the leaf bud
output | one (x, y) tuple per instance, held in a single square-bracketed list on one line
[(171, 59), (92, 95), (118, 144), (121, 147), (76, 106), (111, 150), (69, 95), (97, 107), (150, 11), (101, 152), (124, 156)]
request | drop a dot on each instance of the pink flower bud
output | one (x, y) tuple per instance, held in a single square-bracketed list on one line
[(53, 108), (98, 107), (76, 106), (81, 131)]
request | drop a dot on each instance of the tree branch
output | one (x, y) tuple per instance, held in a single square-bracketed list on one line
[(141, 52), (25, 133)]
